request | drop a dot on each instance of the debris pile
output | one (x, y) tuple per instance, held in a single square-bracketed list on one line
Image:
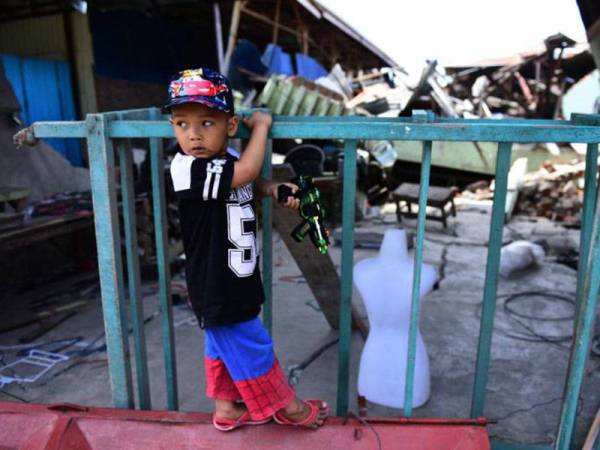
[(531, 85), (555, 192)]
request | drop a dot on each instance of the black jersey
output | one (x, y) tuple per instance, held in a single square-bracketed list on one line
[(218, 226)]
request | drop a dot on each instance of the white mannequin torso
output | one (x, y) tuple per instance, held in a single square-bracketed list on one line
[(385, 284)]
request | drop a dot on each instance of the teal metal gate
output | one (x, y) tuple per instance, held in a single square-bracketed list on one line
[(105, 132)]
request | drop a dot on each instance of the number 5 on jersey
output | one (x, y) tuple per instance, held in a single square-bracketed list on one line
[(242, 259)]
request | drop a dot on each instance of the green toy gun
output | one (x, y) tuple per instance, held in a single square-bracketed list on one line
[(311, 212)]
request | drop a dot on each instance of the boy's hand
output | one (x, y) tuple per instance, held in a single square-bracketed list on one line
[(258, 119), (290, 202)]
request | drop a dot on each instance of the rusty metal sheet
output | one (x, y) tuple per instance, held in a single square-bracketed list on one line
[(73, 427)]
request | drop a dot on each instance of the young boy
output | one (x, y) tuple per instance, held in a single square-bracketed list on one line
[(214, 188)]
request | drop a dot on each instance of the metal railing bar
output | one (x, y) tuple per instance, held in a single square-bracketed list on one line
[(589, 206), (345, 327), (164, 273), (267, 244), (136, 309), (108, 243), (416, 288), (491, 279), (587, 298)]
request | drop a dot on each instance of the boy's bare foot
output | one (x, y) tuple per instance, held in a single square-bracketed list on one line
[(299, 413)]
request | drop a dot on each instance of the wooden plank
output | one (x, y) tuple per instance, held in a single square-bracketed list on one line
[(218, 36), (41, 229), (238, 6), (318, 270)]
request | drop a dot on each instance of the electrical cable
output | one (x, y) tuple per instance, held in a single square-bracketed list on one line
[(530, 334), (295, 370), (560, 297), (370, 426)]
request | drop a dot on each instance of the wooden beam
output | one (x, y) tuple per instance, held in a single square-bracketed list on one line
[(83, 63), (238, 6), (305, 41), (299, 24), (268, 20), (318, 270), (285, 28), (72, 58), (218, 35), (276, 24)]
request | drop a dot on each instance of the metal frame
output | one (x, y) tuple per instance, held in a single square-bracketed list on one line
[(101, 129)]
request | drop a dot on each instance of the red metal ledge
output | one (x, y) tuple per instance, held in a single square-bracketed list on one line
[(74, 427)]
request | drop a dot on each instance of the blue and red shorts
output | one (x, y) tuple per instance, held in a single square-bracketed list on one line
[(241, 365)]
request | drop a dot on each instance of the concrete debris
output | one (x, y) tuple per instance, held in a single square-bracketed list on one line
[(531, 85), (555, 191), (519, 255)]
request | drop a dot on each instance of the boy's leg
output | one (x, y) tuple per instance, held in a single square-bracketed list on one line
[(219, 385), (247, 352)]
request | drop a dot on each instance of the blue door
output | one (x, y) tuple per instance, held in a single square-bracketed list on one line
[(45, 93)]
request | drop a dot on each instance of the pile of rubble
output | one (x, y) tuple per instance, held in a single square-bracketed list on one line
[(531, 85), (555, 192)]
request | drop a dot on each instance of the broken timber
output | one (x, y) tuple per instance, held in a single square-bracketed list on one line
[(318, 270)]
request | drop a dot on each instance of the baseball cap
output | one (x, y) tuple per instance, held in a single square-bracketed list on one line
[(205, 86)]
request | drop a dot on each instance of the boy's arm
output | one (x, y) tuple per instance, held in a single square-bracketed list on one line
[(248, 167)]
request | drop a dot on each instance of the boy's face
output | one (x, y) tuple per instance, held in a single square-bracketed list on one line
[(202, 132)]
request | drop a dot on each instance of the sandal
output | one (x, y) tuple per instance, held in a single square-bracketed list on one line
[(315, 406), (223, 424)]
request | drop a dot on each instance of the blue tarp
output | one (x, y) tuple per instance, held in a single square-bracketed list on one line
[(309, 68), (246, 56), (45, 93), (280, 62), (277, 60)]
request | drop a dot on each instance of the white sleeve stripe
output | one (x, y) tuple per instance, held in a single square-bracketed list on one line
[(215, 190), (207, 185), (181, 172)]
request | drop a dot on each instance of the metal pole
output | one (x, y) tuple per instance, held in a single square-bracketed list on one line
[(162, 257), (108, 244), (267, 243), (589, 206), (491, 280), (416, 289), (584, 326), (136, 308), (345, 329)]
